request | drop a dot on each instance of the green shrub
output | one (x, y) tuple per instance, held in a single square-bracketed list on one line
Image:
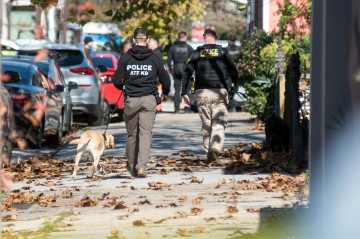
[(256, 75)]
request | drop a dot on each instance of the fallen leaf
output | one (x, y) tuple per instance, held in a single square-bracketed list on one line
[(104, 196), (119, 205), (138, 223), (196, 210), (160, 221), (196, 180), (232, 209), (74, 212), (198, 230), (158, 185), (45, 201), (197, 200), (110, 202), (183, 198), (145, 202), (254, 210), (246, 156), (87, 201), (134, 208), (9, 217), (209, 219)]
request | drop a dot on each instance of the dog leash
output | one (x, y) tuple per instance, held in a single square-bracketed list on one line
[(108, 121)]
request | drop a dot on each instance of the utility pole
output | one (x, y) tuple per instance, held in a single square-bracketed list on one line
[(250, 13)]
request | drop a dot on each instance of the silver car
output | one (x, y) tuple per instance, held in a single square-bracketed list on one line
[(76, 66)]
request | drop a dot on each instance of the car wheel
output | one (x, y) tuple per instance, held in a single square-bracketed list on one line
[(104, 117), (56, 139), (37, 134)]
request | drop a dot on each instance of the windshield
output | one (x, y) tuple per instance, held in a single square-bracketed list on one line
[(105, 61), (69, 57)]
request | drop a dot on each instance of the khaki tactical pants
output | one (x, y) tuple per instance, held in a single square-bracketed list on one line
[(212, 106), (139, 117)]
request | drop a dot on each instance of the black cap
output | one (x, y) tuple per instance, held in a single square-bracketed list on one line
[(140, 33), (87, 40), (209, 31)]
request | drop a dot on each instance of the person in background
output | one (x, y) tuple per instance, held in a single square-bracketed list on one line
[(88, 43), (212, 65), (154, 46), (108, 46), (233, 52), (232, 48), (178, 55), (126, 45), (137, 71)]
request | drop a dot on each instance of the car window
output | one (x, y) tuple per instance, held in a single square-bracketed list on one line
[(36, 79), (27, 52), (54, 74), (43, 67), (105, 61), (69, 57)]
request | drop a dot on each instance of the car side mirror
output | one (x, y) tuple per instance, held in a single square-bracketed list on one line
[(59, 88), (11, 77), (102, 68), (72, 85)]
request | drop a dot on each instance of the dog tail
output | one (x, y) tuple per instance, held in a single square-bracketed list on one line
[(80, 141)]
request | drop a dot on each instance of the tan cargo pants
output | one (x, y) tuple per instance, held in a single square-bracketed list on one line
[(139, 117), (212, 106)]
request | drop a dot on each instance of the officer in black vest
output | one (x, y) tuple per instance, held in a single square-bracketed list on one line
[(178, 54), (138, 70), (212, 65)]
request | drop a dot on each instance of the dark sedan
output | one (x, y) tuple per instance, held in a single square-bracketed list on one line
[(51, 70), (37, 114)]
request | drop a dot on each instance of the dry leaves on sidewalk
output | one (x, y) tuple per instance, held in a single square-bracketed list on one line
[(232, 209), (9, 217), (196, 180), (158, 185), (87, 201), (46, 200), (277, 182), (197, 200)]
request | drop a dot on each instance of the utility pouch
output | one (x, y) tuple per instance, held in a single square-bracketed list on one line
[(192, 90), (158, 99)]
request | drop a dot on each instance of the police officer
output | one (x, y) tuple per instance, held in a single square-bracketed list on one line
[(178, 54), (154, 46), (137, 72), (88, 43), (232, 48), (212, 65)]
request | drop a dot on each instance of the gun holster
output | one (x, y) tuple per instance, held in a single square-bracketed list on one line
[(158, 99)]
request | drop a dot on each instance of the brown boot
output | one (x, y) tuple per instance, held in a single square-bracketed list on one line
[(130, 169), (213, 155), (141, 173)]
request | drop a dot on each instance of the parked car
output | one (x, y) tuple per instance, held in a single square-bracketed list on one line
[(51, 70), (76, 66), (28, 124), (5, 121), (106, 63), (9, 47)]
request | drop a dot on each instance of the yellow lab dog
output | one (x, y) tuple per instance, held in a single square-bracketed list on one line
[(93, 142)]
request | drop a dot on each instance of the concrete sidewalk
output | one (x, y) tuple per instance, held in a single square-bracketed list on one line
[(196, 202)]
